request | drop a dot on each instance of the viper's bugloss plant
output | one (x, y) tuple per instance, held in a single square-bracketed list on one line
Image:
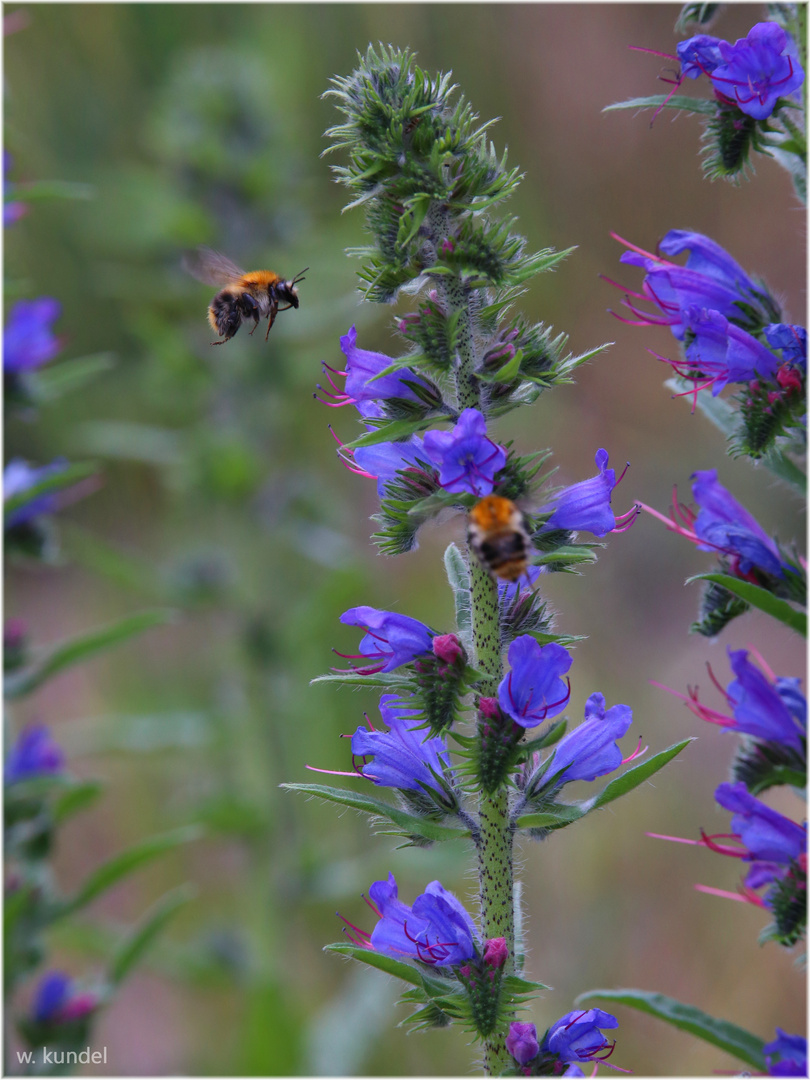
[(744, 366), (463, 747)]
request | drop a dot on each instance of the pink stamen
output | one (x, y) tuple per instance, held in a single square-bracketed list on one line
[(652, 52), (745, 895), (332, 772), (636, 753), (628, 519), (763, 663)]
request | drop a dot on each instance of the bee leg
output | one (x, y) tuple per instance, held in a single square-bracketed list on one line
[(249, 309), (272, 319)]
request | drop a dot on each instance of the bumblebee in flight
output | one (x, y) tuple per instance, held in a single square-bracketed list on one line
[(498, 535), (254, 295)]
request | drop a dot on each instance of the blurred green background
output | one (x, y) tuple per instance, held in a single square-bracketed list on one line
[(224, 499)]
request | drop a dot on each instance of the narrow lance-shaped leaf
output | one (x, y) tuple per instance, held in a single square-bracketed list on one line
[(631, 779), (367, 804), (677, 101), (721, 1033), (78, 649), (459, 577), (759, 598), (398, 968), (132, 949), (123, 864)]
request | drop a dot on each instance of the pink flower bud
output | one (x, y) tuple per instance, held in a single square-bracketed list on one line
[(488, 707), (496, 952), (448, 648)]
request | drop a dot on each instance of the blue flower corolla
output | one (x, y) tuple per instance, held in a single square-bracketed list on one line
[(786, 1055), (534, 690), (725, 352), (699, 55), (791, 340), (710, 279), (436, 929), (58, 1000), (466, 457), (758, 69), (384, 460), (391, 640), (508, 591), (768, 836), (758, 706), (577, 1036), (586, 505), (403, 757), (34, 754), (590, 750), (19, 477), (361, 367), (794, 700), (28, 340), (521, 1042), (724, 524)]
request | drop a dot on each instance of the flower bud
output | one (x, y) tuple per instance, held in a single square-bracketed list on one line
[(521, 1042), (495, 952), (448, 648)]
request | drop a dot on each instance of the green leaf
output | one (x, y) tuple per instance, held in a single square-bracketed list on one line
[(459, 577), (78, 796), (53, 189), (393, 431), (553, 735), (759, 598), (398, 968), (633, 777), (390, 679), (555, 817), (721, 1033), (786, 469), (678, 101), (77, 650), (508, 373), (134, 946), (367, 804), (58, 379), (66, 477), (123, 864), (568, 554)]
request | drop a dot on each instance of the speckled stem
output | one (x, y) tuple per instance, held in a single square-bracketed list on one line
[(495, 874)]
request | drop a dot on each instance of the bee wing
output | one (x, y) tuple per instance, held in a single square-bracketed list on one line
[(211, 267)]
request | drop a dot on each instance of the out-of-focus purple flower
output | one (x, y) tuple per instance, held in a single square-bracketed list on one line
[(792, 340), (403, 758), (710, 280), (521, 1042), (19, 477), (586, 505), (509, 591), (57, 1000), (361, 368), (768, 836), (391, 640), (436, 930), (723, 524), (699, 55), (34, 753), (786, 1055), (28, 340), (724, 352), (534, 690), (577, 1036), (590, 749), (467, 459), (758, 69)]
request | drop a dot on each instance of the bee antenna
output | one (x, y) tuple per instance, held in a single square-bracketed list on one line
[(299, 277)]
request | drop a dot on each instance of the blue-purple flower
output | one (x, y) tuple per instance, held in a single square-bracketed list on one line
[(724, 352), (699, 55), (760, 708), (436, 930), (384, 460), (534, 689), (586, 505), (786, 1055), (758, 69), (521, 1042), (35, 753), (28, 340), (57, 1000), (590, 750), (466, 457), (768, 836), (362, 369), (577, 1036), (391, 639), (403, 757), (791, 340), (710, 280), (724, 525)]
